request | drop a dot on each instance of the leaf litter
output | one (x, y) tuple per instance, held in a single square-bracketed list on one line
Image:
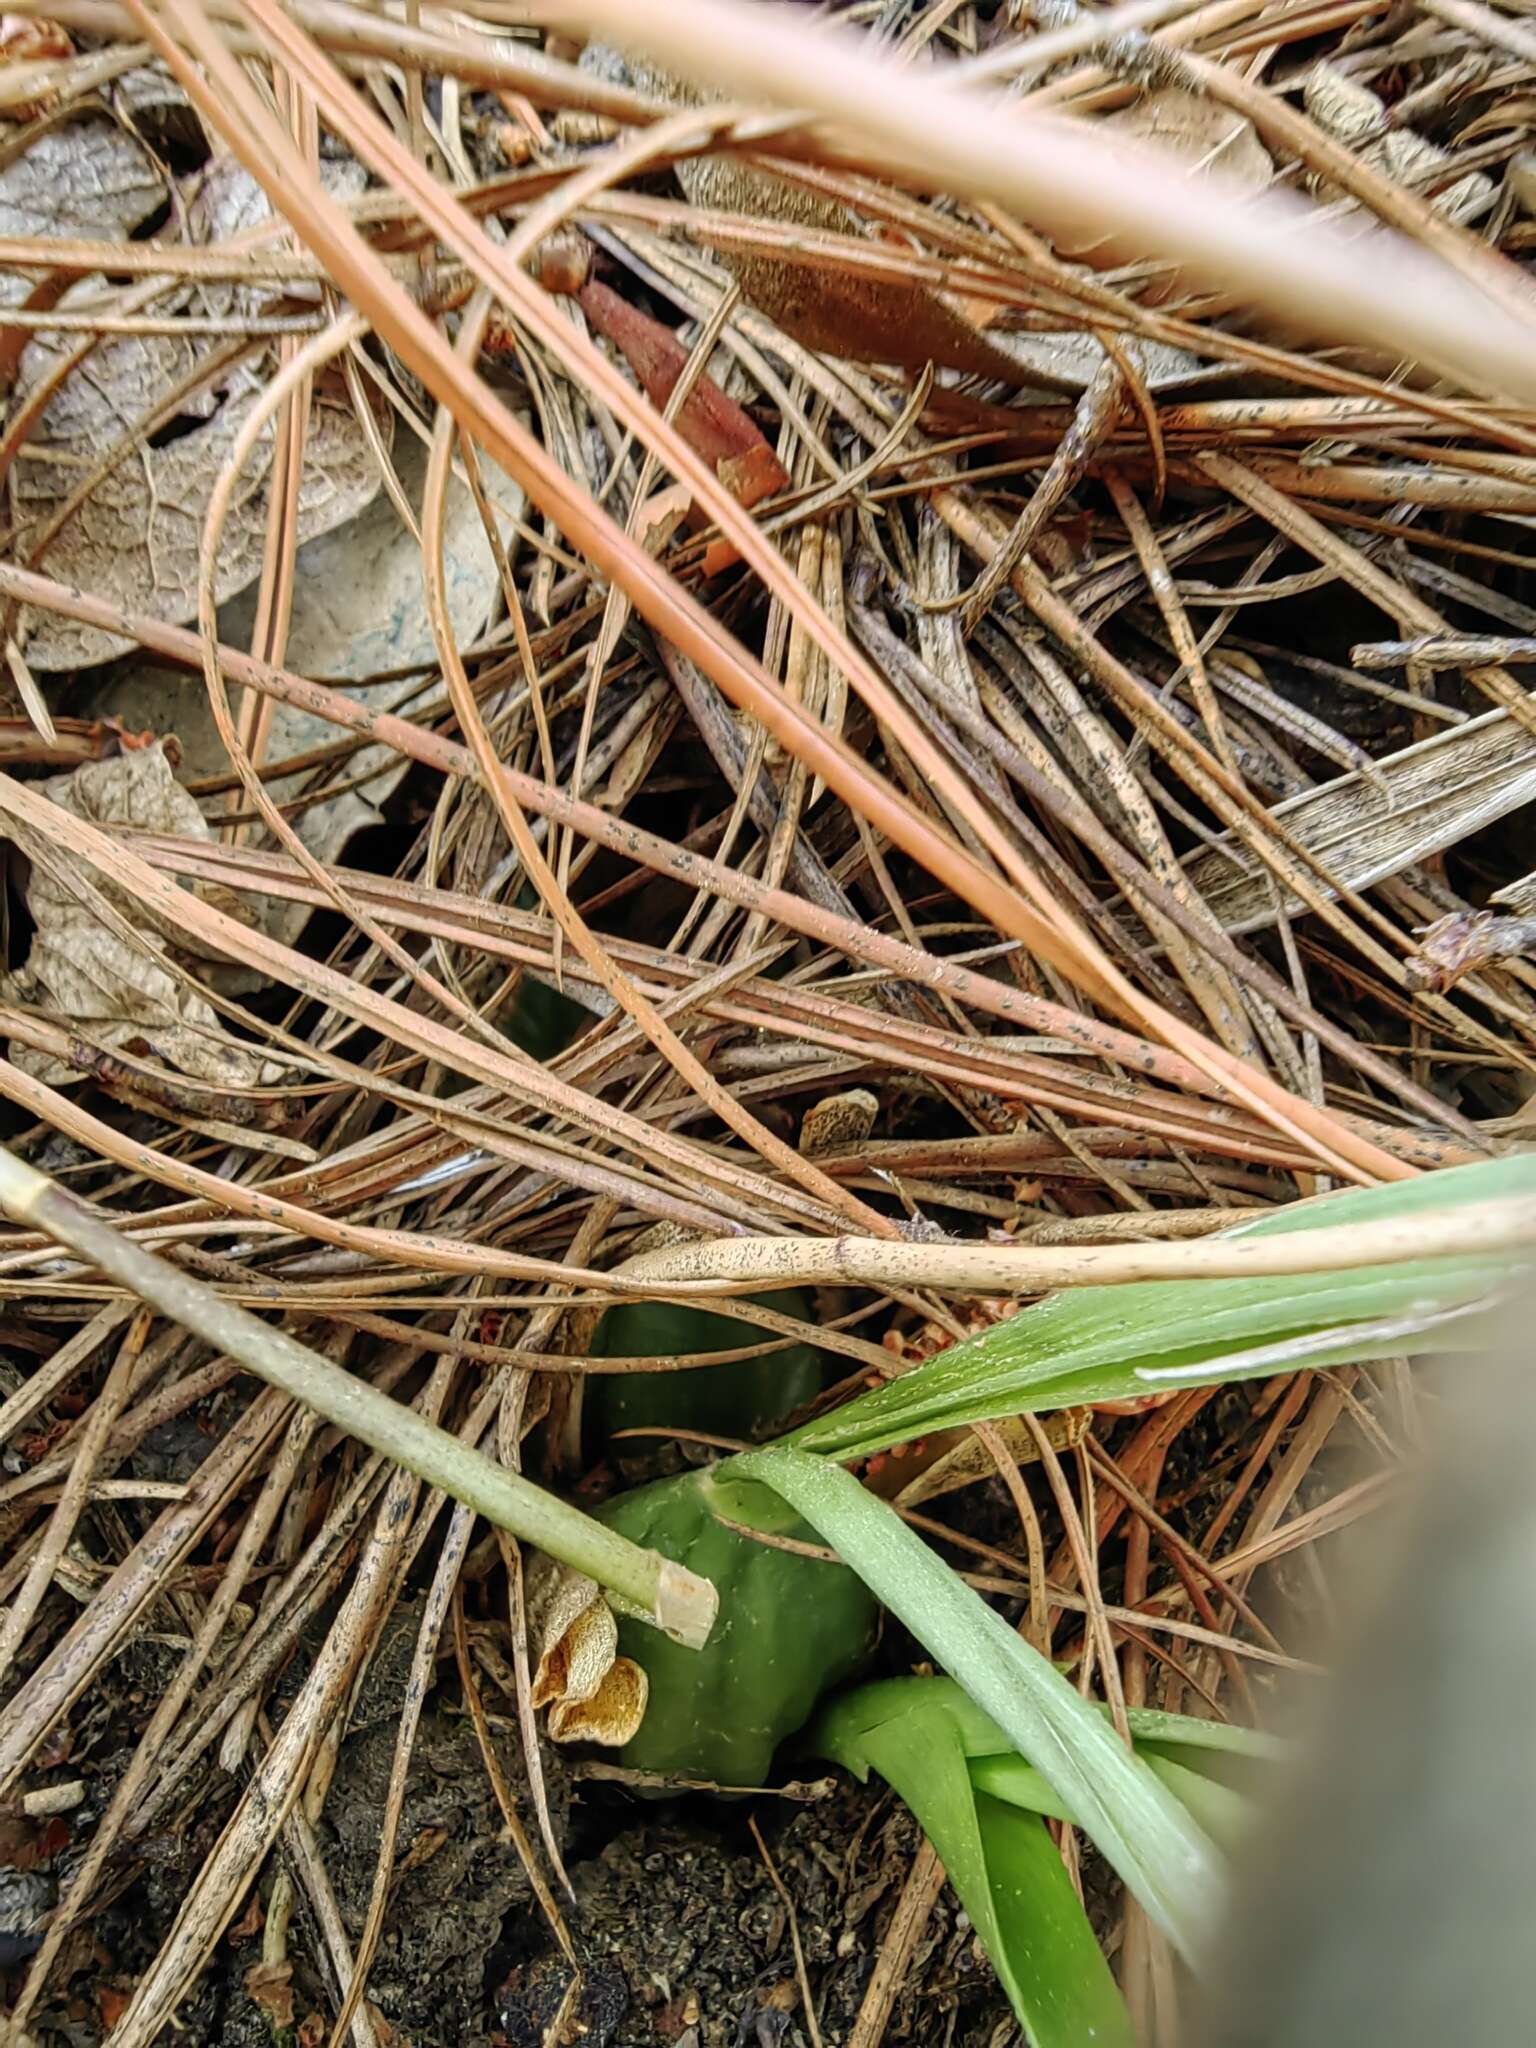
[(1102, 752)]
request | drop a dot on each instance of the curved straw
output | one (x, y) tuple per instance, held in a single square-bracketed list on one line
[(674, 1599)]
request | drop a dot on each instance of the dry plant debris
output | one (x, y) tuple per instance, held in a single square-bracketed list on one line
[(584, 656)]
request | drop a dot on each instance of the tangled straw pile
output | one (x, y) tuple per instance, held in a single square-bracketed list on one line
[(985, 569)]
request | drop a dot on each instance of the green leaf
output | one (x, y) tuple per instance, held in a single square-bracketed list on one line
[(1072, 1999), (1167, 1860), (1223, 1813), (1001, 1862), (1102, 1343), (848, 1719)]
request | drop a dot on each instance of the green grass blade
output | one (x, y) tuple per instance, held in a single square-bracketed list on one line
[(849, 1717), (1068, 1998), (1100, 1343), (1001, 1862), (1223, 1813), (1168, 1862)]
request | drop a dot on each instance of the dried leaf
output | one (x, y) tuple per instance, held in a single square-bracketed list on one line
[(845, 1119), (119, 993), (713, 424), (867, 318), (250, 1921), (270, 1985), (1204, 134), (87, 177), (138, 535), (138, 789), (1189, 126), (151, 104), (111, 2004), (136, 540), (358, 611), (593, 1694), (840, 314), (613, 1713), (574, 1630)]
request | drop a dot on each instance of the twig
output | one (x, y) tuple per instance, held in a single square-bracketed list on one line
[(675, 1599)]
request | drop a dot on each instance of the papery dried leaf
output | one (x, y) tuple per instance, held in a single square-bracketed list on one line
[(250, 1922), (1194, 128), (846, 313), (121, 998), (111, 2003), (120, 994), (748, 477), (612, 1715), (357, 612), (593, 1694), (270, 1985), (138, 536), (754, 474), (575, 1636), (137, 789), (839, 314), (575, 1665), (151, 104), (87, 177), (714, 424), (845, 1119)]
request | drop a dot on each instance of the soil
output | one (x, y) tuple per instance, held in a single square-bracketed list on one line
[(686, 1942), (683, 1939)]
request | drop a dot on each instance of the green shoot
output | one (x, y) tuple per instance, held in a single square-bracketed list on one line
[(1114, 1343), (1149, 1837), (983, 1808)]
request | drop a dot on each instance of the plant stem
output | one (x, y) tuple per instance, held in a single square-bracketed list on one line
[(1507, 1224), (667, 1594)]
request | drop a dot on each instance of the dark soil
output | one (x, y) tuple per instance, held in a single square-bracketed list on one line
[(683, 1939), (686, 1942)]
